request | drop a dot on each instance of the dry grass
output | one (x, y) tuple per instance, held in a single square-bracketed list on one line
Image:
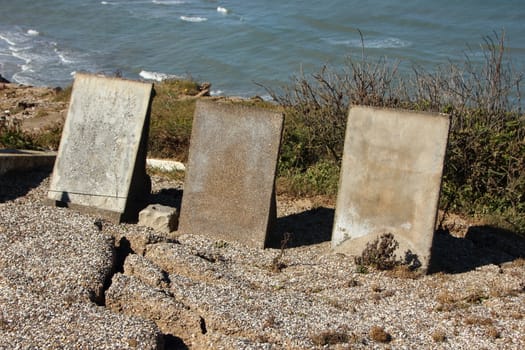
[(518, 263), (479, 321), (446, 297), (405, 272), (493, 332), (475, 297)]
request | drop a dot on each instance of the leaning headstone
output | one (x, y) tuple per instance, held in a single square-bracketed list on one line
[(101, 160), (390, 180), (229, 189)]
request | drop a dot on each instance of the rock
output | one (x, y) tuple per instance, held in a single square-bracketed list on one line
[(161, 218), (3, 80), (137, 242), (30, 321), (55, 258), (53, 268), (179, 259), (149, 273), (205, 89), (132, 297)]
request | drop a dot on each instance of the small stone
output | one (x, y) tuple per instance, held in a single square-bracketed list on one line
[(161, 218)]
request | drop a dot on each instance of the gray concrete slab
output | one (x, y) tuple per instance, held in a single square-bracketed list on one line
[(390, 179), (102, 154), (230, 177), (24, 160)]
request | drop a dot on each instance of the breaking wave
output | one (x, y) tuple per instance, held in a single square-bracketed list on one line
[(168, 2), (193, 19), (156, 76), (386, 43)]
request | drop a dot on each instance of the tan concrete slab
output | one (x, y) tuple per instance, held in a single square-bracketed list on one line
[(102, 154), (230, 176), (390, 179), (23, 160)]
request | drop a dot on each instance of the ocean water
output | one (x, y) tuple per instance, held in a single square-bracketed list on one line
[(238, 44)]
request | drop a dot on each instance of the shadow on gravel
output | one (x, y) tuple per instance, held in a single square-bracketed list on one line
[(171, 197), (172, 342), (17, 184), (482, 245), (307, 228)]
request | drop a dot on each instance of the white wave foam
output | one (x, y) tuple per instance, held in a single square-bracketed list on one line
[(7, 40), (222, 10), (158, 76), (21, 56), (386, 43), (168, 2), (216, 92), (63, 58), (193, 19), (32, 32)]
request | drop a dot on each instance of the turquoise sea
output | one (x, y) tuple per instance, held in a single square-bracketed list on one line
[(235, 44)]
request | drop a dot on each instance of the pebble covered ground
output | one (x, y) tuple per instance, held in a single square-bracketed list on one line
[(64, 283)]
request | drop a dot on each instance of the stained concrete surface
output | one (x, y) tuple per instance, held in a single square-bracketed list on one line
[(390, 179), (230, 177), (102, 154)]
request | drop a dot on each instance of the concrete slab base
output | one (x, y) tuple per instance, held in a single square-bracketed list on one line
[(13, 160)]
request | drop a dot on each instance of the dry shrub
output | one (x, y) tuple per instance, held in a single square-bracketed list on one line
[(12, 136), (380, 253), (378, 334), (376, 288), (331, 338), (439, 336), (277, 262)]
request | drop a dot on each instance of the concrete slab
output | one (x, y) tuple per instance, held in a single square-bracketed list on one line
[(102, 154), (24, 160), (390, 179), (230, 175), (165, 164)]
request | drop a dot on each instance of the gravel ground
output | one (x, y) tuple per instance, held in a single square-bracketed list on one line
[(65, 284)]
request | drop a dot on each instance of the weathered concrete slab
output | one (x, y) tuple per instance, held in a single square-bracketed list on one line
[(102, 154), (390, 179), (24, 160), (230, 176)]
